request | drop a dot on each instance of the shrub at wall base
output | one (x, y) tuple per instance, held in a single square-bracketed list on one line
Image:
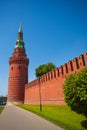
[(75, 90)]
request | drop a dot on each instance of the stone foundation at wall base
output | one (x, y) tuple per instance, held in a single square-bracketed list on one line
[(13, 103), (51, 102)]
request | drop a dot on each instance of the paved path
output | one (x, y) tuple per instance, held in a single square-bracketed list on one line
[(15, 118)]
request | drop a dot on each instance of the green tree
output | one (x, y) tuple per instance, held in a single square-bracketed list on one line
[(3, 99), (44, 68), (75, 90)]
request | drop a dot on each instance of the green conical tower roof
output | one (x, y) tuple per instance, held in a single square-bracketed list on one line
[(19, 41)]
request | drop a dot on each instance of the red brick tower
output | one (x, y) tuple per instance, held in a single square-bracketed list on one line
[(18, 71)]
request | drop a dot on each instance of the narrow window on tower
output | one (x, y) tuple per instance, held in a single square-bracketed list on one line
[(19, 67), (12, 68)]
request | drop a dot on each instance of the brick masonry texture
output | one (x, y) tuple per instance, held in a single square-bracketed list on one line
[(51, 84), (18, 75)]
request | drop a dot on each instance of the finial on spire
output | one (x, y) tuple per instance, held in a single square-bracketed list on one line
[(20, 28)]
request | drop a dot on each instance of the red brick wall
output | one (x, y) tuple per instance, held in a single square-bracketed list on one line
[(52, 83)]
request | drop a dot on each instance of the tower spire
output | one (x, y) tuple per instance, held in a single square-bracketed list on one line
[(20, 32), (20, 28), (19, 41)]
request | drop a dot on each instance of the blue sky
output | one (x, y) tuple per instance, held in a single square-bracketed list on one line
[(54, 31)]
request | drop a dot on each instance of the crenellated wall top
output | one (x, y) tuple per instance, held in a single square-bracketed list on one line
[(72, 66)]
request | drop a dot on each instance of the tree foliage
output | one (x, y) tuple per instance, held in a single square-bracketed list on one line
[(75, 90), (44, 68), (3, 100)]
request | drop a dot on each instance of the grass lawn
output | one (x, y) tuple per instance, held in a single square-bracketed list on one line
[(60, 115), (1, 109)]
